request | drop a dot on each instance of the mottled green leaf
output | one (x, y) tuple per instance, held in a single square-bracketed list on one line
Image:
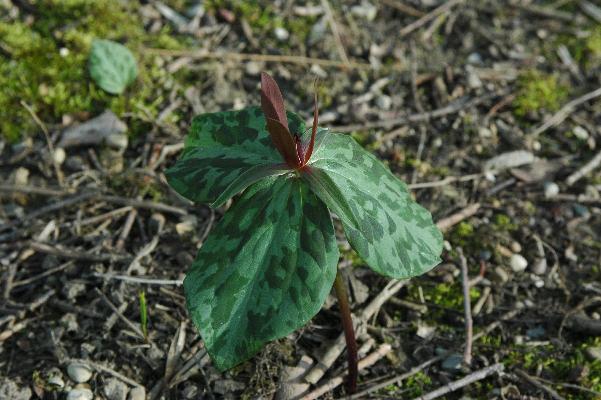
[(390, 231), (112, 66), (264, 270), (224, 153)]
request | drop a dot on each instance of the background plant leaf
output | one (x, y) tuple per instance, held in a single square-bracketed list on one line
[(224, 153), (264, 270), (112, 66), (390, 231)]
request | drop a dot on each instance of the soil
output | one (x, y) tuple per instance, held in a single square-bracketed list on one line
[(489, 110)]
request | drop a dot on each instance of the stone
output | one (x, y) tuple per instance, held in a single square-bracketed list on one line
[(106, 128), (484, 132), (74, 289), (9, 389), (114, 389), (540, 266), (59, 155), (518, 263), (384, 102), (80, 394), (365, 10), (56, 381), (187, 226), (190, 391), (593, 353), (580, 133), (137, 393), (501, 275), (79, 372), (508, 160), (281, 34), (551, 189), (453, 362), (254, 68)]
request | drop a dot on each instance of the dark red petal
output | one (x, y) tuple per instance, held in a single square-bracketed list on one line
[(272, 101), (283, 142), (307, 155)]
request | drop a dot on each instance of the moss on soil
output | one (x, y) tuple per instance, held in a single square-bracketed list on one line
[(43, 62), (538, 91)]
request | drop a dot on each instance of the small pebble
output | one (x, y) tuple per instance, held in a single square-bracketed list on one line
[(453, 362), (536, 333), (580, 133), (551, 189), (595, 315), (365, 10), (501, 275), (593, 353), (137, 393), (79, 373), (190, 391), (56, 381), (474, 58), (473, 80), (484, 132), (518, 263), (21, 176), (254, 68), (59, 155), (516, 247), (114, 389), (384, 102), (80, 394), (12, 390), (485, 255), (281, 34), (540, 266)]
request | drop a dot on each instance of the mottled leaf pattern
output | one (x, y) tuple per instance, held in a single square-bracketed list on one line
[(224, 153), (391, 232), (264, 270)]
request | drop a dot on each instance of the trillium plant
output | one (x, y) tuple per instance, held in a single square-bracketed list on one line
[(267, 267)]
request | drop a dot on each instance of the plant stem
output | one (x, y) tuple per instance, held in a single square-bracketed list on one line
[(349, 332)]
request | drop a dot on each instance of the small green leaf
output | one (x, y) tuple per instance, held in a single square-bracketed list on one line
[(225, 152), (391, 232), (112, 66), (264, 270)]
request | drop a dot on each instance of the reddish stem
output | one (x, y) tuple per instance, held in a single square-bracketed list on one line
[(349, 331)]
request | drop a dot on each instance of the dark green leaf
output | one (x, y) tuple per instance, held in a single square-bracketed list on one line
[(264, 270), (112, 66), (224, 153), (391, 232)]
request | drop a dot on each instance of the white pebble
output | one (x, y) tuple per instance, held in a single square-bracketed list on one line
[(580, 133), (540, 266), (137, 393), (365, 10), (551, 189), (518, 263), (281, 34), (56, 381), (80, 394), (384, 102), (59, 155), (79, 372)]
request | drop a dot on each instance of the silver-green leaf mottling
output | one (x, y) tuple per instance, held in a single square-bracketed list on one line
[(390, 231), (264, 270), (224, 153)]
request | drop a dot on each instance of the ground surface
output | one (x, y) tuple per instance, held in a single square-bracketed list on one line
[(436, 93)]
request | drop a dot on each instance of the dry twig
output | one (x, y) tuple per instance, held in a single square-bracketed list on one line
[(467, 380), (565, 112), (467, 307)]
